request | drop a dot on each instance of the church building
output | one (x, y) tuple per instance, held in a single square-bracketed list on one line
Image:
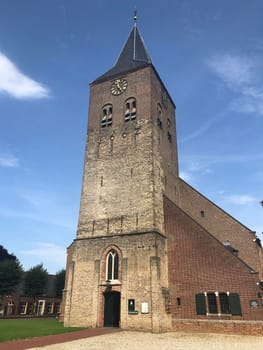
[(152, 253)]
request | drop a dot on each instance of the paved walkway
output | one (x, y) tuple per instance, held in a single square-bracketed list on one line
[(23, 344)]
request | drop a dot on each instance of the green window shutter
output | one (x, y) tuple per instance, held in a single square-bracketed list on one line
[(234, 304), (200, 304)]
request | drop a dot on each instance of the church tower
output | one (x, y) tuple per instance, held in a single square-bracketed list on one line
[(117, 265), (150, 250)]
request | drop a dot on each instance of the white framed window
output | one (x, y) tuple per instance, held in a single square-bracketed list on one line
[(57, 308), (41, 307), (221, 303), (10, 308), (23, 307), (112, 266), (50, 307)]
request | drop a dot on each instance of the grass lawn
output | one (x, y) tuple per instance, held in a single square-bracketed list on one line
[(29, 328)]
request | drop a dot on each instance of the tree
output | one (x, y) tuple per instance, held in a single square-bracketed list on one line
[(35, 281), (59, 282), (11, 273), (261, 203), (4, 255)]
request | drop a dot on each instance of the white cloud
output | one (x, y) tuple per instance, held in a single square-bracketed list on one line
[(37, 199), (233, 70), (186, 176), (204, 127), (242, 199), (9, 161), (39, 206), (194, 166), (52, 256), (204, 162), (18, 85), (241, 74), (193, 169)]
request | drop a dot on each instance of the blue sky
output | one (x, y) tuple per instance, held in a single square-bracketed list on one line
[(208, 53)]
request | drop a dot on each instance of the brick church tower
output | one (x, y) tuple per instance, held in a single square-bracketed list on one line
[(149, 249)]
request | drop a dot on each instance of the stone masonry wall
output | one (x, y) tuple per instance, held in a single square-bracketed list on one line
[(142, 265), (129, 165), (165, 162), (118, 173)]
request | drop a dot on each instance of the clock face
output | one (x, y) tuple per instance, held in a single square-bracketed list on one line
[(118, 87)]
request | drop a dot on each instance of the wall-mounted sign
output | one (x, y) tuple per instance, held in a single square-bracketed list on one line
[(254, 303), (145, 308)]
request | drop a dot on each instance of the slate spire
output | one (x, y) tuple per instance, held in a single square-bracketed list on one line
[(133, 56)]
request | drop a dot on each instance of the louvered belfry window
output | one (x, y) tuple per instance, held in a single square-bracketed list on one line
[(159, 116), (106, 119), (130, 110)]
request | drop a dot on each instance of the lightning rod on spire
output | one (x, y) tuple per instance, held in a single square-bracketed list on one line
[(135, 16)]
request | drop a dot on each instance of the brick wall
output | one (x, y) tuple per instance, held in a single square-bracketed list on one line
[(222, 225), (225, 327), (199, 263)]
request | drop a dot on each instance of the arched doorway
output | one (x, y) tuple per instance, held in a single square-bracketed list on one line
[(112, 309)]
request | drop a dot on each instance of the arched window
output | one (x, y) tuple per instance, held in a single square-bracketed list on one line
[(112, 266), (106, 119), (159, 116), (130, 110)]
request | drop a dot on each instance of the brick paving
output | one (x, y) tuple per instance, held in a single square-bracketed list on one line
[(23, 344)]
